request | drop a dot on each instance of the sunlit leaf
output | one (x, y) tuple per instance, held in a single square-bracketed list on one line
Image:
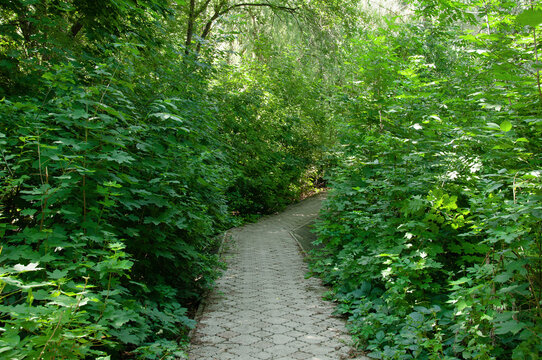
[(530, 17), (506, 126), (29, 267)]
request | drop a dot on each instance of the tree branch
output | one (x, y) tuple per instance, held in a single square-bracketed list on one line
[(202, 8), (272, 6), (218, 13), (210, 23)]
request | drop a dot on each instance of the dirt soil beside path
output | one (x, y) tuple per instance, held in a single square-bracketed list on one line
[(263, 307)]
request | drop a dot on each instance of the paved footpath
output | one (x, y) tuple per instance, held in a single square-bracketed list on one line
[(263, 307)]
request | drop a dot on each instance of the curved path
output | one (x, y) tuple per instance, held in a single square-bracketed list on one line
[(263, 307)]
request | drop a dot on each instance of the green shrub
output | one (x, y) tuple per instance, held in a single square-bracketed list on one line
[(431, 231)]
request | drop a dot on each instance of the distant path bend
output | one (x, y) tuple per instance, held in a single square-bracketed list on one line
[(263, 307)]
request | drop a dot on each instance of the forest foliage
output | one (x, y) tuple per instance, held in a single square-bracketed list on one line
[(124, 153), (132, 133), (432, 229)]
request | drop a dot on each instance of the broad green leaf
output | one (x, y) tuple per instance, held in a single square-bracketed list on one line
[(506, 126), (530, 17), (511, 326), (417, 317), (504, 277), (28, 212), (57, 274), (492, 126), (120, 157), (29, 267)]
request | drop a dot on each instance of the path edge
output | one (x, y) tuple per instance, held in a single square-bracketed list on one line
[(303, 251), (201, 307)]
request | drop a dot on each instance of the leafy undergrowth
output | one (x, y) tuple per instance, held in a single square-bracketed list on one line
[(122, 156), (107, 211), (432, 229)]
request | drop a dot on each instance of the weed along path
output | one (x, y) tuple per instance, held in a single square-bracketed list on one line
[(263, 307)]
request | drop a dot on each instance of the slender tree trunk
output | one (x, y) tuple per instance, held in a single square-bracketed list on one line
[(207, 28), (536, 59), (190, 27), (537, 63)]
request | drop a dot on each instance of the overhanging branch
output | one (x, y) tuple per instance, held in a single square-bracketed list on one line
[(218, 13), (202, 8), (272, 6)]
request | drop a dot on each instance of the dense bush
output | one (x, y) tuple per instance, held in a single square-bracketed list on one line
[(123, 155), (432, 229), (271, 155), (107, 208)]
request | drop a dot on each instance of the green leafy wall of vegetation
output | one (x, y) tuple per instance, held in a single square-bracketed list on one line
[(123, 154), (432, 229), (132, 131)]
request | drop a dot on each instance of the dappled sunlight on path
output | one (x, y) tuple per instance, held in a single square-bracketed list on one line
[(263, 307)]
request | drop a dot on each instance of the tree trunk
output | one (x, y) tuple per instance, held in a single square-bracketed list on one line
[(190, 27)]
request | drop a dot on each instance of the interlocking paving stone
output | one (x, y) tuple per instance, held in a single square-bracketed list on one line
[(263, 307)]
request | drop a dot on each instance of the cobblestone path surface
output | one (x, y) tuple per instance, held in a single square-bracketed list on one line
[(263, 307)]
